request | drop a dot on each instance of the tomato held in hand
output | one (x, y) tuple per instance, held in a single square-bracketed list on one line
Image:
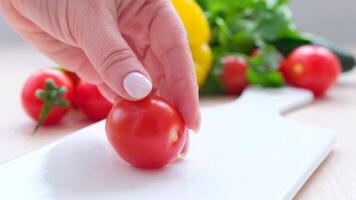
[(312, 67), (89, 100), (148, 134), (47, 96), (234, 74)]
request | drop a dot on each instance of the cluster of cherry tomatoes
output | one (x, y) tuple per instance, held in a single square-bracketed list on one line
[(149, 133), (49, 94), (310, 67)]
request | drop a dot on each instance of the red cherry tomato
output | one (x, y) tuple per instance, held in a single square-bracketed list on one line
[(148, 134), (234, 74), (73, 77), (89, 100), (312, 67), (50, 91)]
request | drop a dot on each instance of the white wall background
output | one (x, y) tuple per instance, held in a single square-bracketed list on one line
[(335, 19)]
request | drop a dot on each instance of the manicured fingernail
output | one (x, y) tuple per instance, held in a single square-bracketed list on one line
[(137, 85)]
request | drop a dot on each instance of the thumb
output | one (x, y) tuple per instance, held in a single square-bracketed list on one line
[(114, 59)]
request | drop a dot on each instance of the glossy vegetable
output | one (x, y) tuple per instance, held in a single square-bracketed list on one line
[(91, 102), (287, 45), (194, 21), (198, 31), (233, 76), (47, 96), (203, 58), (71, 75), (148, 134), (312, 67)]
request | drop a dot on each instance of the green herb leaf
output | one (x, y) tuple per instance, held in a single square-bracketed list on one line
[(269, 79), (263, 68), (213, 85), (240, 26)]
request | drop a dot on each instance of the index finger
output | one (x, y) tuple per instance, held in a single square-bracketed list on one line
[(170, 44)]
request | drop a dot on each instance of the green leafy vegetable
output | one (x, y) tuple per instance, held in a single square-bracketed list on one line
[(267, 79), (240, 26), (263, 68), (213, 85)]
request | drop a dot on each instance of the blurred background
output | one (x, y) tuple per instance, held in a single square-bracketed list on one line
[(333, 19)]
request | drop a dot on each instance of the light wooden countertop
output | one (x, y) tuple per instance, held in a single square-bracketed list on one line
[(334, 179)]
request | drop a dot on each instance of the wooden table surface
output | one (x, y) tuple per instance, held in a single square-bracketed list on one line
[(334, 179)]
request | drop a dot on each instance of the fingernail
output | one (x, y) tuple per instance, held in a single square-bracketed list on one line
[(137, 85)]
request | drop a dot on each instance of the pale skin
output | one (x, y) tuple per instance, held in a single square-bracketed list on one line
[(105, 40)]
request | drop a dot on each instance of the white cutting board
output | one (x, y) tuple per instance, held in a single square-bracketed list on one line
[(245, 150)]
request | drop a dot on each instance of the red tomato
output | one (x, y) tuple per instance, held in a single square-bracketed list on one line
[(234, 74), (148, 134), (34, 105), (73, 77), (89, 100), (312, 67)]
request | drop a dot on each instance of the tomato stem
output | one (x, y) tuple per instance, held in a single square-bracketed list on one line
[(47, 107), (51, 96)]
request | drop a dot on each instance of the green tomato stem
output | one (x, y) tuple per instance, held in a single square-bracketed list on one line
[(51, 96)]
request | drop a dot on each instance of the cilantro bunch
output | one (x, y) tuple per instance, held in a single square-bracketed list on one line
[(241, 26)]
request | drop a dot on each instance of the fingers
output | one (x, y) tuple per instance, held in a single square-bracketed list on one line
[(113, 58), (54, 17), (170, 44), (108, 93), (70, 57)]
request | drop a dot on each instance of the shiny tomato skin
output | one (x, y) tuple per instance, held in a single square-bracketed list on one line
[(91, 102), (33, 106), (73, 77), (312, 67), (233, 76), (75, 80), (147, 134)]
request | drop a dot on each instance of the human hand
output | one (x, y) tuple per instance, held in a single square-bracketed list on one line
[(126, 47)]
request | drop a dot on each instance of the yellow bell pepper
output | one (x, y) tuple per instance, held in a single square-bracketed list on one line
[(198, 31)]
